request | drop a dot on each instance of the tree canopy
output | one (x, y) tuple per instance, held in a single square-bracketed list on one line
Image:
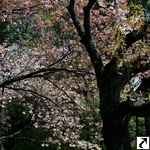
[(66, 70)]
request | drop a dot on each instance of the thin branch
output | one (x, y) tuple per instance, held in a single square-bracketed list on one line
[(12, 135), (86, 96), (19, 10), (40, 73), (64, 93), (33, 92), (59, 60)]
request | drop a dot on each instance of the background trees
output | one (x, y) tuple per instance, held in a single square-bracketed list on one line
[(48, 92), (49, 72)]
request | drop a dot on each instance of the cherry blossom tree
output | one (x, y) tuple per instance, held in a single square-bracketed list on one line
[(121, 66), (55, 68), (44, 69)]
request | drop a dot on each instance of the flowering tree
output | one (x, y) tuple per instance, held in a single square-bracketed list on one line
[(44, 69), (128, 56), (54, 67)]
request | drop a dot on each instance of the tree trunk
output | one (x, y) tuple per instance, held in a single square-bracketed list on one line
[(115, 123), (115, 132)]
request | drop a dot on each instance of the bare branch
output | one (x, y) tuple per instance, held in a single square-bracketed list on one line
[(65, 93), (12, 135), (35, 93), (75, 18), (85, 33), (40, 73), (87, 19), (138, 108)]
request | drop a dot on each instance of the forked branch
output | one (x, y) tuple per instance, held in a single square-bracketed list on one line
[(84, 32)]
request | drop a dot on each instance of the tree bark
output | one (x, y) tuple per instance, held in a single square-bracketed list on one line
[(116, 137), (115, 123)]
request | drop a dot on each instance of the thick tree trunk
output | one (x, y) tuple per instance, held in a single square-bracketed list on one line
[(115, 123), (116, 136), (115, 132)]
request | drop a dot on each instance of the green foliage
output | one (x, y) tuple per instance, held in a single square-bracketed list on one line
[(148, 6), (3, 31), (61, 38), (21, 30), (132, 130), (27, 145), (135, 9), (32, 139), (133, 145), (17, 31), (89, 120), (103, 147), (29, 137), (18, 112), (142, 2)]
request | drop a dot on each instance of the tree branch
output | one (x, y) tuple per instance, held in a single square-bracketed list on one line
[(65, 93), (138, 66), (137, 108), (40, 73), (134, 36), (12, 135), (35, 93), (85, 34), (144, 86), (75, 18), (87, 19)]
